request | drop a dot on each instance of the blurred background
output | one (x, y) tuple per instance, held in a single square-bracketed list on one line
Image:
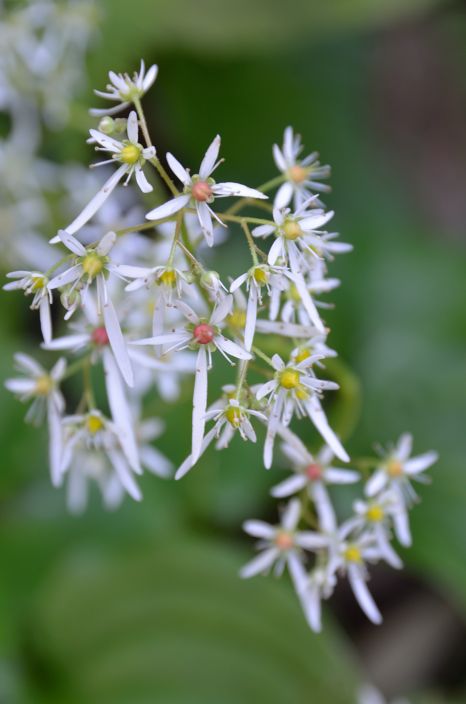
[(144, 605)]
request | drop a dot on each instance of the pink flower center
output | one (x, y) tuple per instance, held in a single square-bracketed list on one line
[(99, 337), (284, 540), (201, 191), (203, 334), (313, 472)]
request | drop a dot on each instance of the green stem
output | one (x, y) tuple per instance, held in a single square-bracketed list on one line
[(175, 239), (262, 355), (154, 161), (241, 378), (77, 366), (250, 241), (58, 264)]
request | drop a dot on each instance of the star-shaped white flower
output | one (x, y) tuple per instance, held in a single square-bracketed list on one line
[(397, 468), (35, 283), (302, 175), (205, 336), (123, 89), (201, 190)]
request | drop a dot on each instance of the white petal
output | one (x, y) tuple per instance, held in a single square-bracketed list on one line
[(263, 230), (291, 515), (376, 482), (318, 417), (276, 251), (141, 180), (341, 476), (324, 508), (120, 410), (420, 463), (199, 403), (55, 441), (210, 158), (278, 158), (98, 200), (230, 188), (259, 529), (283, 195), (106, 244), (169, 208), (259, 564), (72, 243), (179, 170), (132, 127), (404, 447), (66, 277), (205, 221), (222, 309), (68, 342), (310, 540), (108, 143), (45, 319), (251, 317), (125, 475), (362, 594), (115, 336), (289, 486), (231, 348), (189, 462), (401, 526)]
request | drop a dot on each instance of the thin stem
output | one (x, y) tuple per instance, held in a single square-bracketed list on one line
[(241, 378), (154, 161), (72, 369), (58, 264), (239, 218), (175, 239), (262, 355), (250, 241), (189, 256), (88, 384)]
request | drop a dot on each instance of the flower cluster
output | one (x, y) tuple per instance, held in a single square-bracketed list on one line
[(146, 311)]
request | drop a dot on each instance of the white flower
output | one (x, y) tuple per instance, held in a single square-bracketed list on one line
[(201, 190), (132, 156), (33, 282), (349, 556), (232, 418), (302, 175), (282, 545), (296, 234), (93, 450), (397, 469), (294, 389), (318, 585), (375, 517), (205, 336), (43, 387), (314, 474), (92, 264), (123, 90)]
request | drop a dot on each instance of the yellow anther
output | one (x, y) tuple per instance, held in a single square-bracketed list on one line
[(289, 378), (261, 276), (352, 554), (130, 154), (44, 385), (38, 282), (168, 277), (302, 354), (237, 319), (297, 173), (375, 513), (233, 415), (94, 423), (302, 393), (394, 468), (92, 264), (292, 230)]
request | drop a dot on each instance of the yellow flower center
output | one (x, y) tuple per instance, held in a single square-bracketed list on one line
[(233, 415), (261, 276), (284, 540), (302, 354), (289, 378), (302, 393), (292, 230), (297, 173), (92, 264), (352, 554), (130, 154), (94, 423), (375, 513), (237, 319), (168, 277), (394, 468), (44, 385), (38, 282)]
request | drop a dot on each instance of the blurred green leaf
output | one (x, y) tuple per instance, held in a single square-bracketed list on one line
[(174, 624)]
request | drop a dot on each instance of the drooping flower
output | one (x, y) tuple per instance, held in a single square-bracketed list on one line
[(35, 283), (200, 191)]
